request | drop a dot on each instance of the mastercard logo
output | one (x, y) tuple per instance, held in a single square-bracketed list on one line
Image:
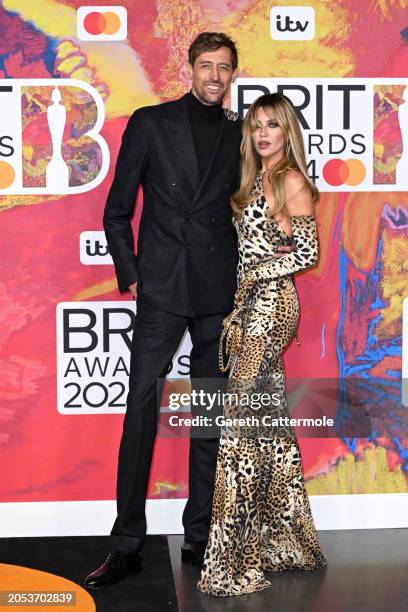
[(102, 23), (349, 172)]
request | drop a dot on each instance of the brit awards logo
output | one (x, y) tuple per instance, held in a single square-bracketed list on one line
[(355, 130), (93, 357), (50, 141)]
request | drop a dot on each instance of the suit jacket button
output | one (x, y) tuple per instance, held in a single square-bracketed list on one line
[(212, 248), (189, 246), (174, 184), (212, 220)]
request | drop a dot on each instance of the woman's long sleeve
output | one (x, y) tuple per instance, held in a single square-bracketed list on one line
[(306, 254)]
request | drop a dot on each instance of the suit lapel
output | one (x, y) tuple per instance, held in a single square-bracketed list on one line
[(180, 132), (179, 129)]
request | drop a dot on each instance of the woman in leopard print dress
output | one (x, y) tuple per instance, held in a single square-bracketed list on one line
[(261, 518)]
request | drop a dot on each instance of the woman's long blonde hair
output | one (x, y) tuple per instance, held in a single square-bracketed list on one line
[(293, 153)]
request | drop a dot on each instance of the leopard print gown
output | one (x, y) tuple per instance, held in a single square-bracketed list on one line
[(261, 518)]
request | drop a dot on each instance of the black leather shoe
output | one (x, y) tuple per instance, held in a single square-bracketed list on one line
[(118, 564), (192, 553)]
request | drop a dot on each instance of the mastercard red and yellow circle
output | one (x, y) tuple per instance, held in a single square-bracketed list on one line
[(344, 172), (7, 175), (102, 23)]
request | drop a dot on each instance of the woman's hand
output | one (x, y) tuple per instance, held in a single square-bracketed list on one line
[(284, 250)]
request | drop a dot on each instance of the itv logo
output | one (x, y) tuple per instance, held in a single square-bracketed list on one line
[(292, 23), (93, 248)]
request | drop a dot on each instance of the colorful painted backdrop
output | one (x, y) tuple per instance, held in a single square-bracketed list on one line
[(351, 326)]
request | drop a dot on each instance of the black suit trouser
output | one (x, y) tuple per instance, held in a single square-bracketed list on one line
[(156, 337)]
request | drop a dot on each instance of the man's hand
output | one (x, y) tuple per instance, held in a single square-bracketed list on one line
[(133, 290), (284, 250)]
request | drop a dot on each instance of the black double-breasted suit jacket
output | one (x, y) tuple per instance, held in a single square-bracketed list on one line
[(187, 251)]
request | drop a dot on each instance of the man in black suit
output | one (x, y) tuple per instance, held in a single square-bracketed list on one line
[(185, 154)]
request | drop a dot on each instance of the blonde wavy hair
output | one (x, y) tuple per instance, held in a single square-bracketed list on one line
[(293, 158)]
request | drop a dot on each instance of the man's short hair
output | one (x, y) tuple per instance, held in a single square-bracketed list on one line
[(212, 41)]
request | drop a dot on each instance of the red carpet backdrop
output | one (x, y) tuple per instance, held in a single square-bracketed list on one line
[(71, 74)]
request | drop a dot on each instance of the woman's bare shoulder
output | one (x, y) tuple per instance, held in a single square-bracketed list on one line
[(294, 182), (298, 197)]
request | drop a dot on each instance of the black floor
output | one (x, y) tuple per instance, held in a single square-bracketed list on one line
[(75, 557), (367, 572)]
